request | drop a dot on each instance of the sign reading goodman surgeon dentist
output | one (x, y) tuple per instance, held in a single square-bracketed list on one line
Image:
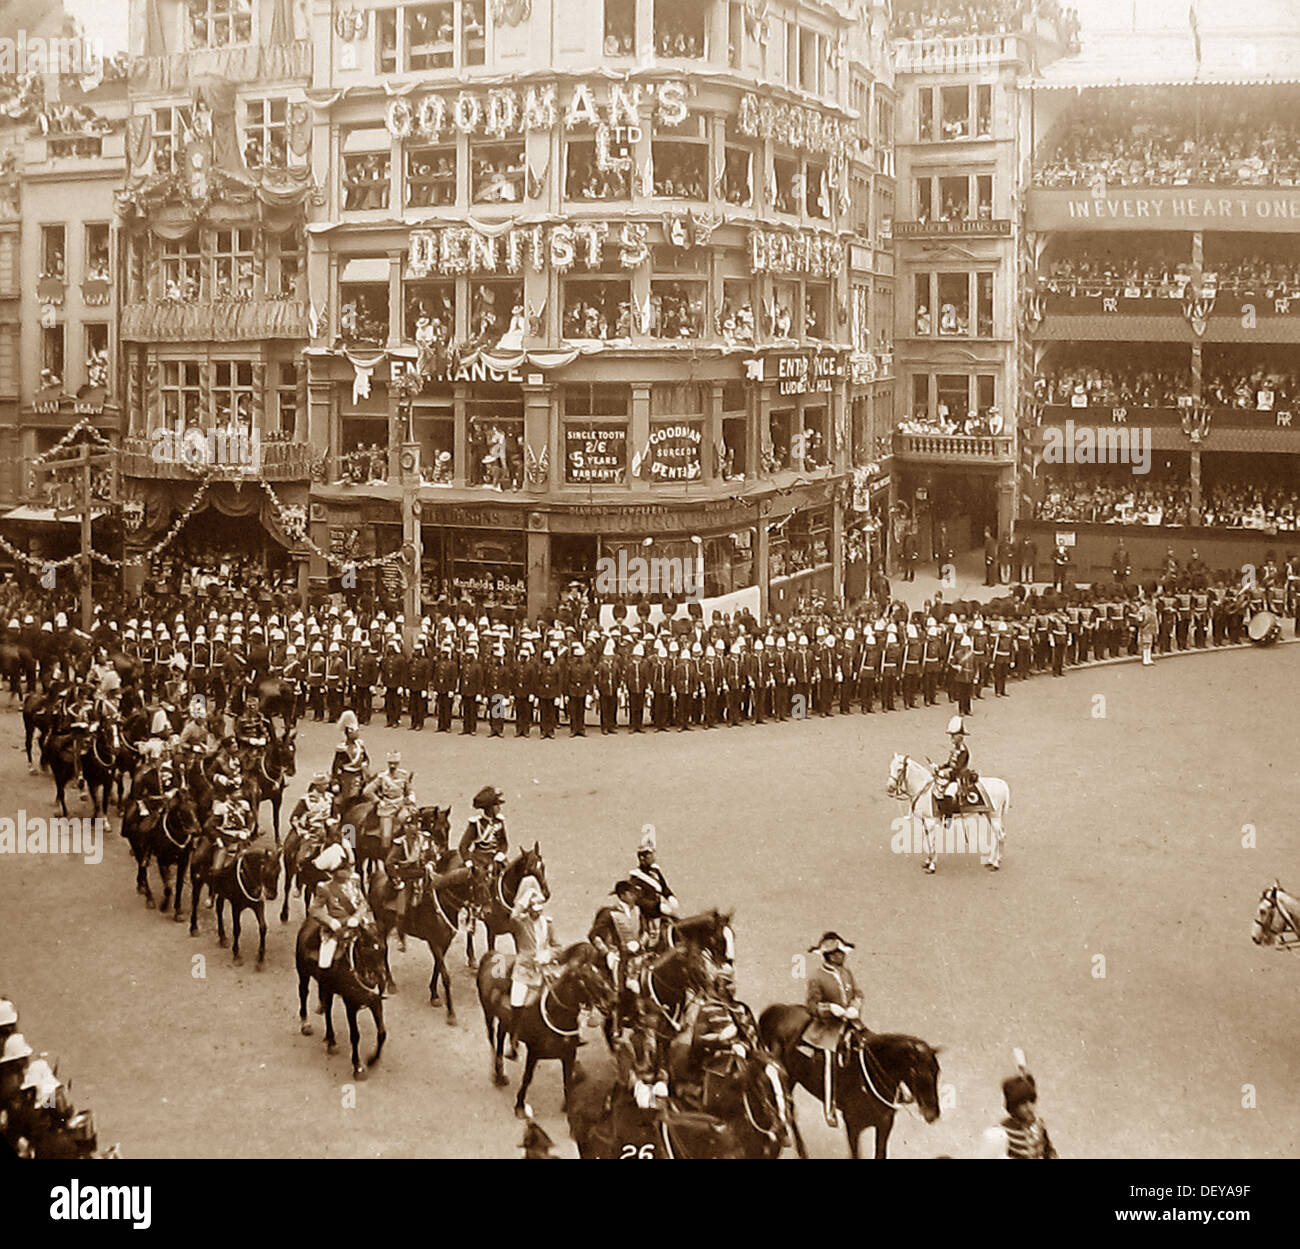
[(675, 451)]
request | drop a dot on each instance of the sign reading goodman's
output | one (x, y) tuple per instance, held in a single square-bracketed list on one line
[(1165, 208)]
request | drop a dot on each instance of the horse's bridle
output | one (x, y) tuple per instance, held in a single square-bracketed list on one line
[(546, 1019), (1288, 924), (180, 845), (239, 880)]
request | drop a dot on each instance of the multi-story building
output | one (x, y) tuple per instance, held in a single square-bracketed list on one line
[(599, 278), (217, 194), (963, 145), (1165, 310)]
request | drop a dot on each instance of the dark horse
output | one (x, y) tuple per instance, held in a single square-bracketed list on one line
[(266, 781), (59, 752), (37, 718), (167, 840), (356, 974), (247, 881), (606, 1123), (876, 1066), (549, 1026), (496, 915), (99, 763), (278, 697)]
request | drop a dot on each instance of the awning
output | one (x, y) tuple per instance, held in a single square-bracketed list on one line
[(46, 516), (366, 269)]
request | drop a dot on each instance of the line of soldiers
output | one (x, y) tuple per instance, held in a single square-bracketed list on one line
[(37, 1118)]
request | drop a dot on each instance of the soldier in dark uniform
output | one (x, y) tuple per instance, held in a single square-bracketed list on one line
[(891, 662), (471, 688), (758, 672), (801, 668), (607, 683), (733, 684), (445, 678), (711, 673), (367, 677), (782, 680), (910, 670), (964, 672), (548, 690), (1001, 658), (420, 678), (392, 677), (336, 681), (578, 682), (661, 689), (636, 678), (316, 680), (1059, 637), (496, 686), (867, 669), (525, 689), (1201, 615), (685, 680)]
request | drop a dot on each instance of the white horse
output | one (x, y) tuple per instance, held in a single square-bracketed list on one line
[(912, 781), (1277, 919)]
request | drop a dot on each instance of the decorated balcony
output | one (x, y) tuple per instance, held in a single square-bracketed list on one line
[(203, 453), (954, 448), (240, 65), (170, 321)]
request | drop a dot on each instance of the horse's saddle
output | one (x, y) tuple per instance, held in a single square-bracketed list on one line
[(970, 799)]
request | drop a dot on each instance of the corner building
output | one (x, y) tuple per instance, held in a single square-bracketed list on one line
[(598, 279)]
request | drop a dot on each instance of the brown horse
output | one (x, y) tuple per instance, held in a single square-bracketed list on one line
[(880, 1073), (356, 975), (248, 881), (549, 1026), (168, 840)]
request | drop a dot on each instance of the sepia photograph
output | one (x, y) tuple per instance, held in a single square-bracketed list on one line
[(407, 404)]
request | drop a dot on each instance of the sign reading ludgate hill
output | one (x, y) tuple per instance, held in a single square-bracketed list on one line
[(1165, 208)]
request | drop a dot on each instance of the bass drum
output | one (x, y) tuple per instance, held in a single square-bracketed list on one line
[(1264, 628)]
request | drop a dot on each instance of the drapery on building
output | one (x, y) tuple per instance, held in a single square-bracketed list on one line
[(1163, 229), (963, 142), (596, 277), (213, 277)]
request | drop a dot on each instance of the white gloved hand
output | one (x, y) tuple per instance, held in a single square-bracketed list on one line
[(499, 857), (836, 1011), (643, 1096), (852, 1013)]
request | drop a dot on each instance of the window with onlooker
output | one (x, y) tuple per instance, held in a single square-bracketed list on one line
[(596, 308), (182, 394), (232, 393), (266, 130), (817, 310), (497, 172), (219, 23), (96, 359), (95, 258), (52, 361), (496, 313), (363, 301), (620, 27), (736, 319), (53, 252), (679, 28), (182, 269), (738, 166), (681, 164), (584, 179), (286, 399), (367, 169), (171, 129), (429, 314), (788, 189), (232, 264), (430, 175)]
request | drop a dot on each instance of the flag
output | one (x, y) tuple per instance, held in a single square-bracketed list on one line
[(1196, 30)]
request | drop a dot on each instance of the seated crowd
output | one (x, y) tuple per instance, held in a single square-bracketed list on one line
[(1079, 386), (1127, 501), (1152, 137), (928, 19), (1252, 388)]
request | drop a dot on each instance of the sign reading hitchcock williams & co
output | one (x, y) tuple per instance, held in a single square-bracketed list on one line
[(595, 454), (675, 451)]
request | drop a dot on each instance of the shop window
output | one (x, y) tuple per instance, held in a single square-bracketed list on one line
[(735, 396), (728, 563), (781, 436), (266, 144), (430, 176), (788, 185), (954, 199), (435, 431), (595, 453), (817, 310), (232, 264), (736, 320), (984, 111), (473, 32), (984, 305), (429, 314), (496, 314), (786, 311), (286, 399), (489, 565), (585, 180), (182, 267), (597, 308), (954, 304), (97, 354), (363, 312), (182, 394), (677, 309), (53, 252), (96, 257), (497, 173), (596, 399), (679, 28), (924, 200), (816, 437), (366, 181), (954, 120), (680, 164), (620, 27), (494, 437), (953, 397), (51, 356)]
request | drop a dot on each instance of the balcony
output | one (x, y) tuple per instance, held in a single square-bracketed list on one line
[(271, 461), (84, 151), (954, 448), (226, 321), (962, 54), (249, 63), (995, 227)]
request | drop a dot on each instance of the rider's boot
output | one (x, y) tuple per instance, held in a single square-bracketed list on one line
[(828, 1089)]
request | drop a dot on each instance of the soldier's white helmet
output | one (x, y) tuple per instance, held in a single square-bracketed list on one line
[(956, 725)]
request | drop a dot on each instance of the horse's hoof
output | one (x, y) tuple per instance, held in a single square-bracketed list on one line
[(176, 917), (149, 902), (499, 1079), (258, 965), (358, 1073), (391, 986), (451, 1021), (221, 941), (331, 1047), (521, 1112), (238, 960), (306, 1029)]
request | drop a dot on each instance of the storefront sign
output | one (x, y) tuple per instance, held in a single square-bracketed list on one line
[(505, 111), (675, 451), (648, 518), (585, 244), (595, 454), (1065, 538), (1172, 208), (804, 374), (469, 517), (804, 129), (509, 588), (788, 252)]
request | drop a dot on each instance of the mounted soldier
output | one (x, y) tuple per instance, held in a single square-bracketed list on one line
[(657, 900), (616, 933), (252, 731), (483, 848), (835, 1004), (952, 777), (390, 791), (338, 907), (536, 943), (351, 760)]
